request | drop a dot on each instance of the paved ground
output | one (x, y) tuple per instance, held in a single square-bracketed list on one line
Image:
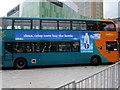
[(46, 77), (119, 75), (0, 79)]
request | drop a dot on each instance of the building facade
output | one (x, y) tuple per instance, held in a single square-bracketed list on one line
[(45, 9), (91, 8)]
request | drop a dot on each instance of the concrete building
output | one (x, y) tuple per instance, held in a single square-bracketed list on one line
[(56, 9), (46, 9), (91, 8), (118, 20)]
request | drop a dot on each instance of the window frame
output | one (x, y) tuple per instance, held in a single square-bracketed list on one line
[(71, 24), (82, 22), (3, 21), (30, 26), (108, 22), (21, 47), (41, 24), (64, 23)]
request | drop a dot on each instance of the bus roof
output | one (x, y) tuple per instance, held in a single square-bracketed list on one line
[(56, 18), (49, 18)]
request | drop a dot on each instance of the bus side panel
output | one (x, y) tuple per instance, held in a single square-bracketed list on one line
[(60, 58), (8, 64), (111, 56), (97, 52)]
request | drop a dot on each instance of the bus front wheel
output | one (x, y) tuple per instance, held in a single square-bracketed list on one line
[(95, 60), (20, 63)]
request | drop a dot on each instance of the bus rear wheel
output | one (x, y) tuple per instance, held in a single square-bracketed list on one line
[(20, 63), (95, 60)]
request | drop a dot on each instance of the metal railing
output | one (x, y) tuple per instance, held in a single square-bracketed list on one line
[(106, 78), (69, 85)]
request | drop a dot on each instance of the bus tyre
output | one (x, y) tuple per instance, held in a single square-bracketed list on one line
[(95, 60), (20, 63)]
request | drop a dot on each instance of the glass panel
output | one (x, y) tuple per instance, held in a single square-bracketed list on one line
[(75, 46), (36, 47), (22, 24), (111, 46), (99, 26), (36, 24), (92, 26), (108, 26), (8, 47), (45, 46), (64, 25), (54, 47), (79, 25), (28, 47), (19, 47), (65, 47), (0, 23), (6, 24), (49, 24)]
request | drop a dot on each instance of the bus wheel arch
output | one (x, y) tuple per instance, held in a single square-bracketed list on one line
[(95, 60), (20, 63)]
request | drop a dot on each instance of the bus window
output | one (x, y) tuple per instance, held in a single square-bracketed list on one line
[(36, 47), (49, 25), (45, 46), (111, 46), (75, 46), (92, 26), (36, 24), (53, 47), (108, 26), (64, 47), (64, 25), (6, 23), (99, 26), (78, 25), (22, 24), (8, 46), (0, 23), (28, 47), (19, 47)]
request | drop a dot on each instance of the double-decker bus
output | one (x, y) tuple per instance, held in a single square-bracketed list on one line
[(56, 41)]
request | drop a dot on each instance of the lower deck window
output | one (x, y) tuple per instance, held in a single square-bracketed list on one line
[(35, 47), (111, 46)]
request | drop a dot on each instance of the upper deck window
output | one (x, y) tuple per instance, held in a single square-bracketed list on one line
[(6, 23), (22, 24), (78, 25), (49, 25), (0, 23), (36, 24), (108, 26), (91, 25), (64, 25)]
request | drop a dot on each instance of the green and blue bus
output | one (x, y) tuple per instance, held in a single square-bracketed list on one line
[(56, 41)]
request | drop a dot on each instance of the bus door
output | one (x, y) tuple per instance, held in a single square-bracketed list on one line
[(8, 51), (112, 50)]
